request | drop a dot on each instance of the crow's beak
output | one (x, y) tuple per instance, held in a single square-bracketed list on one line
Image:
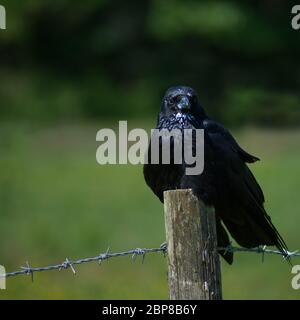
[(184, 104)]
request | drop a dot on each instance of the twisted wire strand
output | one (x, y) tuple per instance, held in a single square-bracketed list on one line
[(70, 264)]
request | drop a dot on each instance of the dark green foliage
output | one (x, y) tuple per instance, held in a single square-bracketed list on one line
[(62, 60)]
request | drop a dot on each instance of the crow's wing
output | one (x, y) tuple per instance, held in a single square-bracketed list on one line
[(216, 128), (243, 211), (222, 137)]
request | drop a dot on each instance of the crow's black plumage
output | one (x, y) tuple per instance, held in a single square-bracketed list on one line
[(226, 182)]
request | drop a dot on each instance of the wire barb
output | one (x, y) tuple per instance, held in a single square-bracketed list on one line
[(66, 265), (27, 270)]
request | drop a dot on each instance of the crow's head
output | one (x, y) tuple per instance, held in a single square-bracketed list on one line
[(181, 103)]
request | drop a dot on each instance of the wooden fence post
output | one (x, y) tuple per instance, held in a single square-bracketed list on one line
[(193, 261)]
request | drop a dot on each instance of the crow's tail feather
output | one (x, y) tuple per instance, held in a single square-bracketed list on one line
[(223, 241)]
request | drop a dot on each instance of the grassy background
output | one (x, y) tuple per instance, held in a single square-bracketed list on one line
[(57, 202)]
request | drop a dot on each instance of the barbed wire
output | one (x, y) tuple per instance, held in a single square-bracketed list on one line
[(286, 255), (69, 264)]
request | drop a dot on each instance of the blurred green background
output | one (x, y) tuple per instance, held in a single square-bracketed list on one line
[(69, 69)]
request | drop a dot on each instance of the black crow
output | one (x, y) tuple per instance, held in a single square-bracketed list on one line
[(226, 181)]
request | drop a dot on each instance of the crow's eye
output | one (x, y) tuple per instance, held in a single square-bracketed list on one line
[(171, 100)]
